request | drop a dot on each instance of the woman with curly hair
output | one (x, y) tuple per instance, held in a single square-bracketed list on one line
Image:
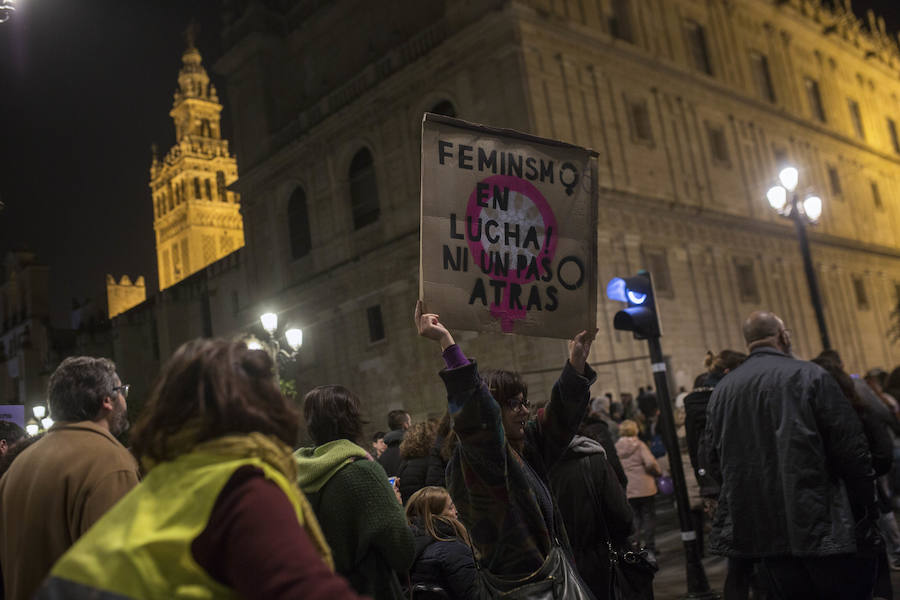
[(218, 514), (415, 453), (444, 556)]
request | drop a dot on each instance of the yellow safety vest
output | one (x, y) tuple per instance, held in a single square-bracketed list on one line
[(141, 548)]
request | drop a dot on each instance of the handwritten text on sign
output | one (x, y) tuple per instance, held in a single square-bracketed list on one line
[(507, 231)]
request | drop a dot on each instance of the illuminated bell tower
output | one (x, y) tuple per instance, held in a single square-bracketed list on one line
[(196, 218)]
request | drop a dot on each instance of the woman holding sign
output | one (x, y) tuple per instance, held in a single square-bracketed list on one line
[(498, 474)]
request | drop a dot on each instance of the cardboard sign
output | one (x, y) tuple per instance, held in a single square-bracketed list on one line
[(508, 230), (14, 413)]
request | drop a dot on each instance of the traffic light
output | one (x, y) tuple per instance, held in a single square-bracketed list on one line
[(640, 317)]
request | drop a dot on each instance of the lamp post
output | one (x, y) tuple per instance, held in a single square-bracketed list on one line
[(293, 336), (786, 202), (41, 421)]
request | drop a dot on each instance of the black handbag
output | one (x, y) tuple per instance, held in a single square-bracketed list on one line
[(631, 570), (632, 574), (557, 579)]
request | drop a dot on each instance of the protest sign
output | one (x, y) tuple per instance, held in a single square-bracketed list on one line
[(508, 230)]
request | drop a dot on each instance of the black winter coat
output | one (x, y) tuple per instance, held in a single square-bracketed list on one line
[(584, 504), (412, 473), (695, 405), (390, 458), (446, 563), (785, 444)]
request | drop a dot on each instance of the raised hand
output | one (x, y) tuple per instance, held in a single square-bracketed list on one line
[(580, 347), (429, 326)]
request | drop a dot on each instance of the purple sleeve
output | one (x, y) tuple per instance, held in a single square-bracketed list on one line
[(454, 357)]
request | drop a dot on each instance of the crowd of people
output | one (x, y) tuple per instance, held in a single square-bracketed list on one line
[(790, 468)]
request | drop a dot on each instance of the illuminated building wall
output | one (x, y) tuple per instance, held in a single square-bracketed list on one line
[(692, 107)]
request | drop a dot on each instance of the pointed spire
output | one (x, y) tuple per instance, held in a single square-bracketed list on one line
[(193, 81)]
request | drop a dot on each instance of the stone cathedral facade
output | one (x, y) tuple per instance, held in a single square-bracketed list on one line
[(692, 105)]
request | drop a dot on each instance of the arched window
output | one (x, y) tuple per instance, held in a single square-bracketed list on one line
[(444, 107), (220, 186), (208, 189), (298, 224), (363, 189), (196, 188)]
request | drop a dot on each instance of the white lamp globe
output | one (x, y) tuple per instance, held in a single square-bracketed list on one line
[(269, 321), (777, 197), (294, 338), (789, 176), (812, 208), (39, 411), (32, 429), (47, 422)]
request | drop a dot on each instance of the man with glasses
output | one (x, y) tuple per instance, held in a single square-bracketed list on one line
[(63, 483), (797, 481)]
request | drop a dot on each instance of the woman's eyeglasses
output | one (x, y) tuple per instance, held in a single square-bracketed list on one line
[(517, 401)]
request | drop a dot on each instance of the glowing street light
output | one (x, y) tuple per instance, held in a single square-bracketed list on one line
[(269, 322), (32, 429), (7, 8), (39, 410), (786, 202), (812, 208), (777, 197), (294, 338), (789, 176)]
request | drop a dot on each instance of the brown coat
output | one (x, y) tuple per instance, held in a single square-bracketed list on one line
[(52, 493)]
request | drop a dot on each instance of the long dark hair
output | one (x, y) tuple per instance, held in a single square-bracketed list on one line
[(221, 386)]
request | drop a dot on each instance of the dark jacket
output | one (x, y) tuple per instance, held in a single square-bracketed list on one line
[(437, 466), (587, 494), (447, 563), (695, 405), (503, 497), (792, 460), (390, 458), (596, 428), (412, 473)]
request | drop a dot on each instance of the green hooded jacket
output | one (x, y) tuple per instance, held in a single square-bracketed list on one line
[(362, 520)]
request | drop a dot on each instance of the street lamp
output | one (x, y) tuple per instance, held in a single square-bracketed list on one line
[(785, 200), (40, 422), (7, 8), (293, 337)]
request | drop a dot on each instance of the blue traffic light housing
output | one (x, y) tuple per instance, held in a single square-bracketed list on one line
[(640, 316)]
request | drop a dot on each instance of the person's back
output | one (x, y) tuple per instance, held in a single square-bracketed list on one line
[(361, 517), (62, 484), (593, 507), (795, 470), (767, 417), (52, 493)]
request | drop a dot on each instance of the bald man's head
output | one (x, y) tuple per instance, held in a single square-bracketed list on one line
[(763, 328)]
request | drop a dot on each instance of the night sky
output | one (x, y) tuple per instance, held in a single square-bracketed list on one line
[(85, 88)]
